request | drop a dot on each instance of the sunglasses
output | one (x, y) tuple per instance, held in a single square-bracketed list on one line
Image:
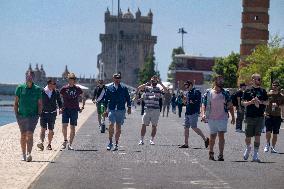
[(257, 79)]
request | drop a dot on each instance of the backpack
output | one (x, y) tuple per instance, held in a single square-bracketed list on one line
[(234, 99)]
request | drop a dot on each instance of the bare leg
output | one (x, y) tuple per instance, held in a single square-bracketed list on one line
[(50, 136), (268, 137), (212, 142), (186, 135), (23, 142), (274, 140), (143, 131), (200, 133), (154, 131), (64, 130), (72, 134), (42, 134), (117, 133), (248, 141), (221, 142), (110, 132), (30, 141)]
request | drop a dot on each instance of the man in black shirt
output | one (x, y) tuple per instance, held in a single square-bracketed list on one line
[(50, 101), (240, 108), (98, 99), (255, 100)]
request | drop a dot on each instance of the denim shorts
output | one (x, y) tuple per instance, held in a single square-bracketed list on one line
[(116, 116), (191, 120), (47, 120), (70, 115), (216, 126), (27, 123)]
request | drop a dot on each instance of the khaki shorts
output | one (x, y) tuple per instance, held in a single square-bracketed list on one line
[(151, 116), (254, 125)]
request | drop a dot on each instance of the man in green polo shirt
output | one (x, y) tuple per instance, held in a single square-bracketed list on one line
[(27, 107)]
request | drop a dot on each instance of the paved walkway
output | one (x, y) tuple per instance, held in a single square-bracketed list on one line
[(161, 166), (17, 174)]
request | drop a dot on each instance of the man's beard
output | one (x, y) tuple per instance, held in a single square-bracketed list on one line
[(220, 85), (154, 84)]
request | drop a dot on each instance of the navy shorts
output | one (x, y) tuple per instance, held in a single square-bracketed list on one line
[(70, 115), (273, 124), (47, 120), (27, 124)]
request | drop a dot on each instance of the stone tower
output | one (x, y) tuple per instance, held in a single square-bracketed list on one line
[(255, 20), (135, 43)]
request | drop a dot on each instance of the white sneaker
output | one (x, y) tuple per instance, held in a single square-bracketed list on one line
[(29, 158), (141, 142), (273, 150), (24, 157), (69, 147), (152, 142), (247, 152), (266, 148), (255, 157)]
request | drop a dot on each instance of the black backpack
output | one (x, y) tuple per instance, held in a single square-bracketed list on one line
[(234, 99)]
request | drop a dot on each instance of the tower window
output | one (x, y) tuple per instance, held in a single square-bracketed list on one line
[(256, 18)]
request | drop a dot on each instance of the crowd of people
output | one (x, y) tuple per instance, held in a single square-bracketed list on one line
[(254, 106)]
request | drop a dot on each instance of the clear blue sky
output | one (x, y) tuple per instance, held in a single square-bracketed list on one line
[(59, 32)]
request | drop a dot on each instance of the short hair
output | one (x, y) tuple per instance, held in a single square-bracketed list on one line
[(215, 77), (276, 82), (242, 85), (50, 80), (255, 75), (188, 82)]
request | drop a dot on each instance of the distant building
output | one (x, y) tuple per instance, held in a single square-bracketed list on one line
[(255, 20), (195, 68), (135, 42), (41, 78)]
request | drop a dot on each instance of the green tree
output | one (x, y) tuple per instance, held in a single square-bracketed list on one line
[(267, 60), (228, 68), (172, 66), (148, 70)]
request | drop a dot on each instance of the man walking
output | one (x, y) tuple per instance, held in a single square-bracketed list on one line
[(215, 107), (70, 94), (50, 101), (193, 101), (27, 107), (240, 108), (98, 99), (152, 110), (273, 116), (255, 100), (166, 103), (116, 97)]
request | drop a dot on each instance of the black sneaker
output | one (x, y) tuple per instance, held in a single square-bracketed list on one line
[(49, 147), (211, 156), (206, 143), (184, 146), (220, 158)]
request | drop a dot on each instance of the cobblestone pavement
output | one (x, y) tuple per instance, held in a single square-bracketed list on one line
[(163, 165)]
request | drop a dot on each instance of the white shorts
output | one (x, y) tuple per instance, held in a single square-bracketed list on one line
[(216, 126), (151, 116)]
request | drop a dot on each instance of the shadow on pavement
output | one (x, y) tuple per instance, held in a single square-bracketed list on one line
[(243, 161), (85, 150), (43, 161)]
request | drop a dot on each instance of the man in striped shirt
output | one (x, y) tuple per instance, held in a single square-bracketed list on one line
[(152, 108)]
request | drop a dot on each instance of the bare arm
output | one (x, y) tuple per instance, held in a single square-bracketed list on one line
[(16, 105), (39, 104)]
